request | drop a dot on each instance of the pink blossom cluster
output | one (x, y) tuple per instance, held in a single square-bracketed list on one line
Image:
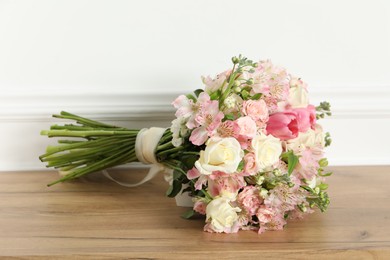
[(261, 149)]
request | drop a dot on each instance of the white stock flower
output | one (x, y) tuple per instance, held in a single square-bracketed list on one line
[(267, 151), (178, 129), (221, 214), (312, 183), (221, 154), (232, 103), (298, 96)]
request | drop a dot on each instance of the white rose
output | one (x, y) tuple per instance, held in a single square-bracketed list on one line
[(298, 96), (221, 154), (311, 138), (320, 136), (267, 151), (221, 214)]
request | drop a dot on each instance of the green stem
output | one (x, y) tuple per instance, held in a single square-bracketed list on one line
[(163, 147), (92, 133), (169, 151), (82, 128), (83, 144), (82, 120)]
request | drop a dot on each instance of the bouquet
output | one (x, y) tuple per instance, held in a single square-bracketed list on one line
[(247, 149)]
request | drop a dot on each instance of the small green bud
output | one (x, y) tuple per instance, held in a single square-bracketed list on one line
[(260, 180), (302, 207), (263, 193), (245, 94), (236, 84), (235, 60), (323, 162), (278, 172), (249, 82), (237, 89)]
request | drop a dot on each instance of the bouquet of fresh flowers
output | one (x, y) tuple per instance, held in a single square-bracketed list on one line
[(247, 149)]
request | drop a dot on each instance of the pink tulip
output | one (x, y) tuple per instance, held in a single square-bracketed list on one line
[(303, 118), (313, 119), (283, 125), (306, 118)]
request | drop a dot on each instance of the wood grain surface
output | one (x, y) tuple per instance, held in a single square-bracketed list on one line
[(96, 218)]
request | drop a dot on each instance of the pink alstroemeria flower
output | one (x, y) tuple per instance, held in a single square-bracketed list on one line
[(283, 125), (209, 118), (188, 109), (220, 182), (193, 173)]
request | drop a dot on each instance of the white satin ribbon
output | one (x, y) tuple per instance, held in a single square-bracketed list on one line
[(145, 147)]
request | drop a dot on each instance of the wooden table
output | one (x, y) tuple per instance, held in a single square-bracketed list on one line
[(97, 218)]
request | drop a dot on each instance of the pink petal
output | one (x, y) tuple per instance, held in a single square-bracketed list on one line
[(198, 136), (193, 173)]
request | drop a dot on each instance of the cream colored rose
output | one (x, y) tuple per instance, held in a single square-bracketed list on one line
[(311, 138), (221, 214), (298, 96), (267, 151), (221, 154)]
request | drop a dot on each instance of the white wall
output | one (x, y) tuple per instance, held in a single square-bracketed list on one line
[(125, 61)]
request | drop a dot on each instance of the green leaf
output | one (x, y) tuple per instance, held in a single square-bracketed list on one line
[(174, 189), (244, 94), (188, 214), (198, 91), (240, 166), (176, 174), (292, 161), (190, 96), (323, 186), (256, 96), (189, 160), (169, 191), (215, 95), (229, 117), (325, 174)]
